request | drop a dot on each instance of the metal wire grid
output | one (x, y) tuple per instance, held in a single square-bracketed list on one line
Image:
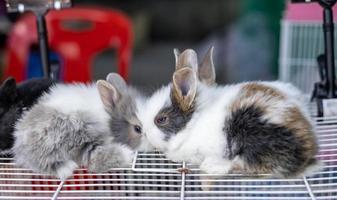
[(301, 42), (152, 176)]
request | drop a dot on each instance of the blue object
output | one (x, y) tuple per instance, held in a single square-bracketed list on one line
[(34, 68)]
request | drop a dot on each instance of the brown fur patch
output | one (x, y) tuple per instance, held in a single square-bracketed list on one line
[(187, 108), (184, 88), (265, 97), (184, 102), (251, 89), (257, 94), (297, 122)]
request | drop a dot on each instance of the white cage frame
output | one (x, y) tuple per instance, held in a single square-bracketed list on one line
[(152, 176), (300, 43)]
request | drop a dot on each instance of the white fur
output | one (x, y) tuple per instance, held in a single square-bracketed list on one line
[(147, 114), (83, 108), (202, 141), (144, 142), (311, 169), (127, 154), (68, 98), (66, 170), (294, 96)]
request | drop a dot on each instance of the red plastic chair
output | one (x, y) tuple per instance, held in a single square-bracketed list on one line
[(103, 28)]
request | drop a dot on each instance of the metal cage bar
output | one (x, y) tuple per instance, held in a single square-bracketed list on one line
[(152, 176), (301, 42)]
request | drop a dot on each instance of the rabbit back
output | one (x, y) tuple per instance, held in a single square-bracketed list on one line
[(269, 132)]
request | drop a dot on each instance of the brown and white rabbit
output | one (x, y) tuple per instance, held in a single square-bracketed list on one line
[(258, 127), (70, 127)]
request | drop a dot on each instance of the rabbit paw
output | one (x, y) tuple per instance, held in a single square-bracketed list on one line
[(105, 157), (216, 166), (127, 156), (99, 160), (66, 170), (175, 157)]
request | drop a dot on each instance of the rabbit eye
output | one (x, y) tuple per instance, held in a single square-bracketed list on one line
[(137, 129), (161, 120)]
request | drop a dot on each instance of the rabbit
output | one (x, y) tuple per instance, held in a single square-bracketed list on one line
[(14, 99), (255, 127), (123, 115), (80, 125)]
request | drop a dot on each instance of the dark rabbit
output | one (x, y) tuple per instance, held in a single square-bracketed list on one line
[(14, 99)]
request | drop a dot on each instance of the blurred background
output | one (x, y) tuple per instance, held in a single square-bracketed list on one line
[(246, 35)]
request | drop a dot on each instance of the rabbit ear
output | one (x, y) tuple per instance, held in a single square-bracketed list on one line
[(206, 69), (187, 58), (176, 55), (109, 94), (184, 87), (8, 89), (117, 81)]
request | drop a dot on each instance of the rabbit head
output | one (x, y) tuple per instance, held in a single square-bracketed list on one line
[(122, 104), (169, 110)]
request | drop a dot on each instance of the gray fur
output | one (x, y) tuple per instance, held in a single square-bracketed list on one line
[(123, 119), (106, 157), (118, 82), (181, 109), (206, 70), (52, 139), (177, 119), (54, 142), (120, 102)]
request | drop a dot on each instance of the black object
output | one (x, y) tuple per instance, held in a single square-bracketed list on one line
[(327, 2), (326, 87), (43, 43), (14, 100), (328, 29), (40, 8)]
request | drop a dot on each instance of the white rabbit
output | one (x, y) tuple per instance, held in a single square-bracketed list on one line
[(258, 127), (70, 127)]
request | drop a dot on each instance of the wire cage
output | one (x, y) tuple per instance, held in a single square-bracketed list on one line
[(152, 176), (301, 42)]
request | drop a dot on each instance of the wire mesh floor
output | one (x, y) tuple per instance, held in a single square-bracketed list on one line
[(152, 176)]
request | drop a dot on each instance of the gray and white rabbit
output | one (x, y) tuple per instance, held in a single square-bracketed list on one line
[(256, 127), (80, 125)]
